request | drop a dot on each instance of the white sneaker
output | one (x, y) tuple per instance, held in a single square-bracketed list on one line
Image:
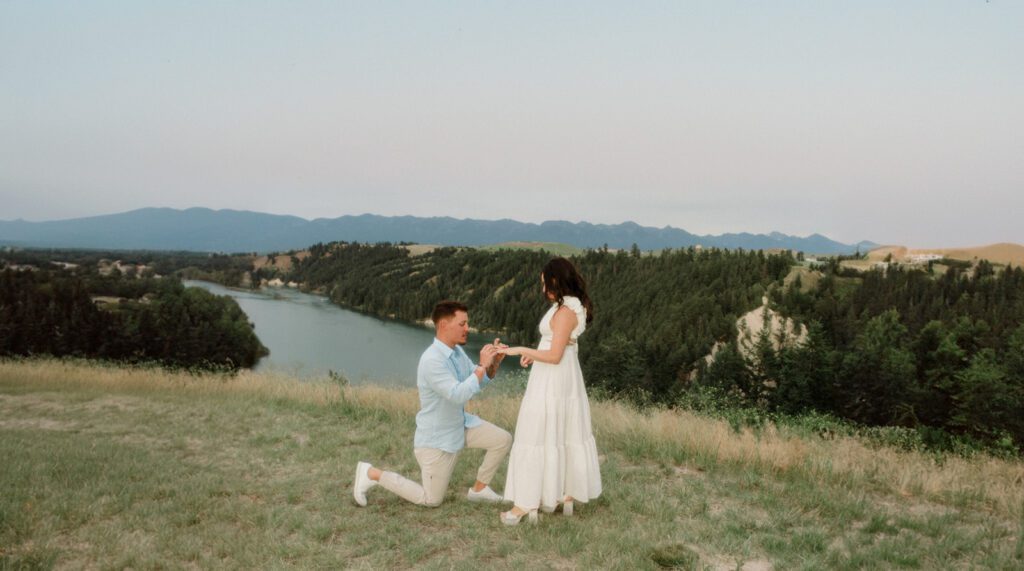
[(362, 483), (484, 495)]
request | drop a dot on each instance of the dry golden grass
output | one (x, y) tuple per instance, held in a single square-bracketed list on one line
[(909, 474), (1002, 253), (881, 253), (420, 249), (859, 265), (282, 261), (808, 278), (997, 484), (555, 248)]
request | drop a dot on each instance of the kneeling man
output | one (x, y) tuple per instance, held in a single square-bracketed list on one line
[(446, 379)]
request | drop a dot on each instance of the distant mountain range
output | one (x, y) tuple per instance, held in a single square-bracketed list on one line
[(205, 230)]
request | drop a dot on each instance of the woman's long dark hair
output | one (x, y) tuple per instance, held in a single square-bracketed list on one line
[(561, 279)]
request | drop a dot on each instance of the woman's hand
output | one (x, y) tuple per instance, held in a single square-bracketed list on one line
[(524, 361)]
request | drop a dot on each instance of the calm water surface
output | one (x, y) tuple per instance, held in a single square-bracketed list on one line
[(308, 335)]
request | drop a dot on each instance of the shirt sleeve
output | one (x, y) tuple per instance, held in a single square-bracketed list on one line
[(443, 382)]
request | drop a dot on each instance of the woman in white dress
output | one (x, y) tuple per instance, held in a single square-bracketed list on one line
[(554, 457)]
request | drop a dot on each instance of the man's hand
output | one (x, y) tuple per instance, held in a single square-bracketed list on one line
[(492, 371), (498, 346), (525, 361), (487, 355)]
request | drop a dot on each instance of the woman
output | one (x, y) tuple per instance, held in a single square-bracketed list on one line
[(554, 457)]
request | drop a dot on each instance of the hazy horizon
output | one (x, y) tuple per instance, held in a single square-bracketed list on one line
[(896, 123)]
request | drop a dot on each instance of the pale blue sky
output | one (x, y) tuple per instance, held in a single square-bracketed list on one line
[(894, 121)]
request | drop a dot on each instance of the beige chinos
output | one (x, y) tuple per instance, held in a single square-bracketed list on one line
[(436, 466)]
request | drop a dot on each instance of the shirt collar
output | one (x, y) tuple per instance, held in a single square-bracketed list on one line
[(444, 349)]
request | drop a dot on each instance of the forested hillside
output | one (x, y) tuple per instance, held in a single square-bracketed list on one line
[(228, 270), (898, 347), (656, 316), (53, 312), (943, 355)]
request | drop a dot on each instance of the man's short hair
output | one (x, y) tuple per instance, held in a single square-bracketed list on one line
[(446, 309)]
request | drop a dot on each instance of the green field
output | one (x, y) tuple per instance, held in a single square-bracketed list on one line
[(113, 468)]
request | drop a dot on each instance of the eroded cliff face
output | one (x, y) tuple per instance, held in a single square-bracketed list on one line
[(782, 331)]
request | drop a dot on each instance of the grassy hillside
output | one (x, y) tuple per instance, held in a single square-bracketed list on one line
[(110, 467), (1002, 253), (549, 247)]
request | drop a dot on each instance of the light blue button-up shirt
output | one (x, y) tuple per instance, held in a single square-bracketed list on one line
[(446, 382)]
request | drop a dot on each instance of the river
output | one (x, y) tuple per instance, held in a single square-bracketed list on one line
[(308, 336)]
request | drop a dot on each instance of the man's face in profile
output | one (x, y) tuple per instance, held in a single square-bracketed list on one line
[(455, 329)]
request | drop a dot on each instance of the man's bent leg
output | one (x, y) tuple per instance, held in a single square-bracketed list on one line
[(436, 468), (495, 441)]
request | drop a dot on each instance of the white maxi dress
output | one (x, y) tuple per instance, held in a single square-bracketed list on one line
[(554, 454)]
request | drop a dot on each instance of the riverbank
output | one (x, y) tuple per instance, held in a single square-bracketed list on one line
[(308, 336), (274, 288), (112, 467)]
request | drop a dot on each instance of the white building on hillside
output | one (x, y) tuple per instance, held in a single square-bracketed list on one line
[(923, 258)]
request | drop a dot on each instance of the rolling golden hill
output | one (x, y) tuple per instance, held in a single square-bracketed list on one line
[(1002, 253)]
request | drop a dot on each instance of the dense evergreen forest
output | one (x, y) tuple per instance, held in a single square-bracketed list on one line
[(53, 312), (898, 346)]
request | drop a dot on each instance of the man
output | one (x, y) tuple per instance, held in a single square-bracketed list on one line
[(446, 379)]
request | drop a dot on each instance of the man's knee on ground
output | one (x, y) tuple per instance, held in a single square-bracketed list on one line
[(432, 503)]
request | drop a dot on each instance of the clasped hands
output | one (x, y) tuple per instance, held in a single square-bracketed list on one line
[(494, 353), (491, 355)]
